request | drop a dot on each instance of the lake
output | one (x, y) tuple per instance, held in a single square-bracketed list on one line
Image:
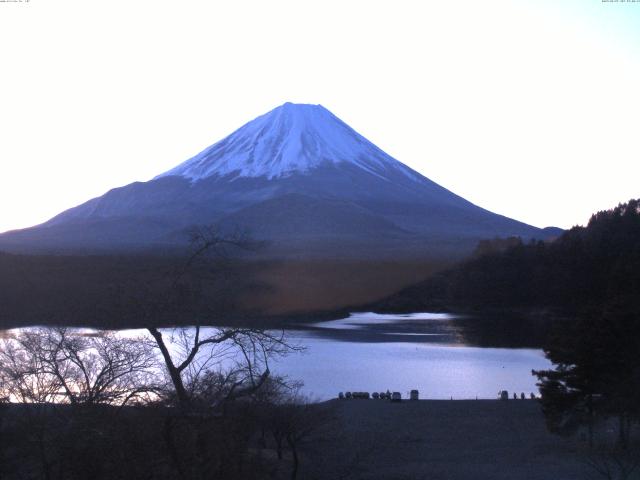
[(431, 352), (423, 351)]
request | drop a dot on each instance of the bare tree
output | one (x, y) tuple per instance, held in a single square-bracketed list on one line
[(208, 367), (53, 371), (294, 419), (195, 368), (45, 365), (213, 364)]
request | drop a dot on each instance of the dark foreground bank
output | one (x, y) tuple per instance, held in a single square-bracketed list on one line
[(461, 439), (347, 439)]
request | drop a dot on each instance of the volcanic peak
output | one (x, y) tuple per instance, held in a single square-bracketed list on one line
[(292, 138)]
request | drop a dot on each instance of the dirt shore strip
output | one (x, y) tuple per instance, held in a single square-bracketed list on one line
[(460, 439)]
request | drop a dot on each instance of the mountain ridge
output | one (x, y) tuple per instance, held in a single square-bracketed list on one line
[(297, 177)]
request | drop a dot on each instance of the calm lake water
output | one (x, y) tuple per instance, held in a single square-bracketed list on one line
[(424, 351)]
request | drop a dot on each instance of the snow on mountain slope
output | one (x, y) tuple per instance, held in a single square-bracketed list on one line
[(292, 138)]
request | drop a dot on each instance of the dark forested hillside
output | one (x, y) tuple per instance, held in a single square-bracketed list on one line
[(121, 291), (111, 291), (586, 268)]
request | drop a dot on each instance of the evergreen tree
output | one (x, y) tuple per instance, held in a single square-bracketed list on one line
[(597, 358)]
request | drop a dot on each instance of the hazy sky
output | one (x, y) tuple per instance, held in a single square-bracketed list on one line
[(530, 108)]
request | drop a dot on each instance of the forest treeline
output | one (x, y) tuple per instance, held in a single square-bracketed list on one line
[(586, 268)]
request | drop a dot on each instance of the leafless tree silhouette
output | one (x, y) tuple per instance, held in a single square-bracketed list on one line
[(44, 365)]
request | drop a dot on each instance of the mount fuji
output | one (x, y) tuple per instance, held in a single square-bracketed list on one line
[(297, 177)]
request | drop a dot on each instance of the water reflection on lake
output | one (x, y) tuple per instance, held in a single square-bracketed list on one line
[(425, 351)]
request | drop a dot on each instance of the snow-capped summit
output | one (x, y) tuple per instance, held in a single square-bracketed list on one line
[(292, 138)]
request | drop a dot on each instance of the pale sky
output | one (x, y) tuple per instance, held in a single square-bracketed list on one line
[(529, 108)]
